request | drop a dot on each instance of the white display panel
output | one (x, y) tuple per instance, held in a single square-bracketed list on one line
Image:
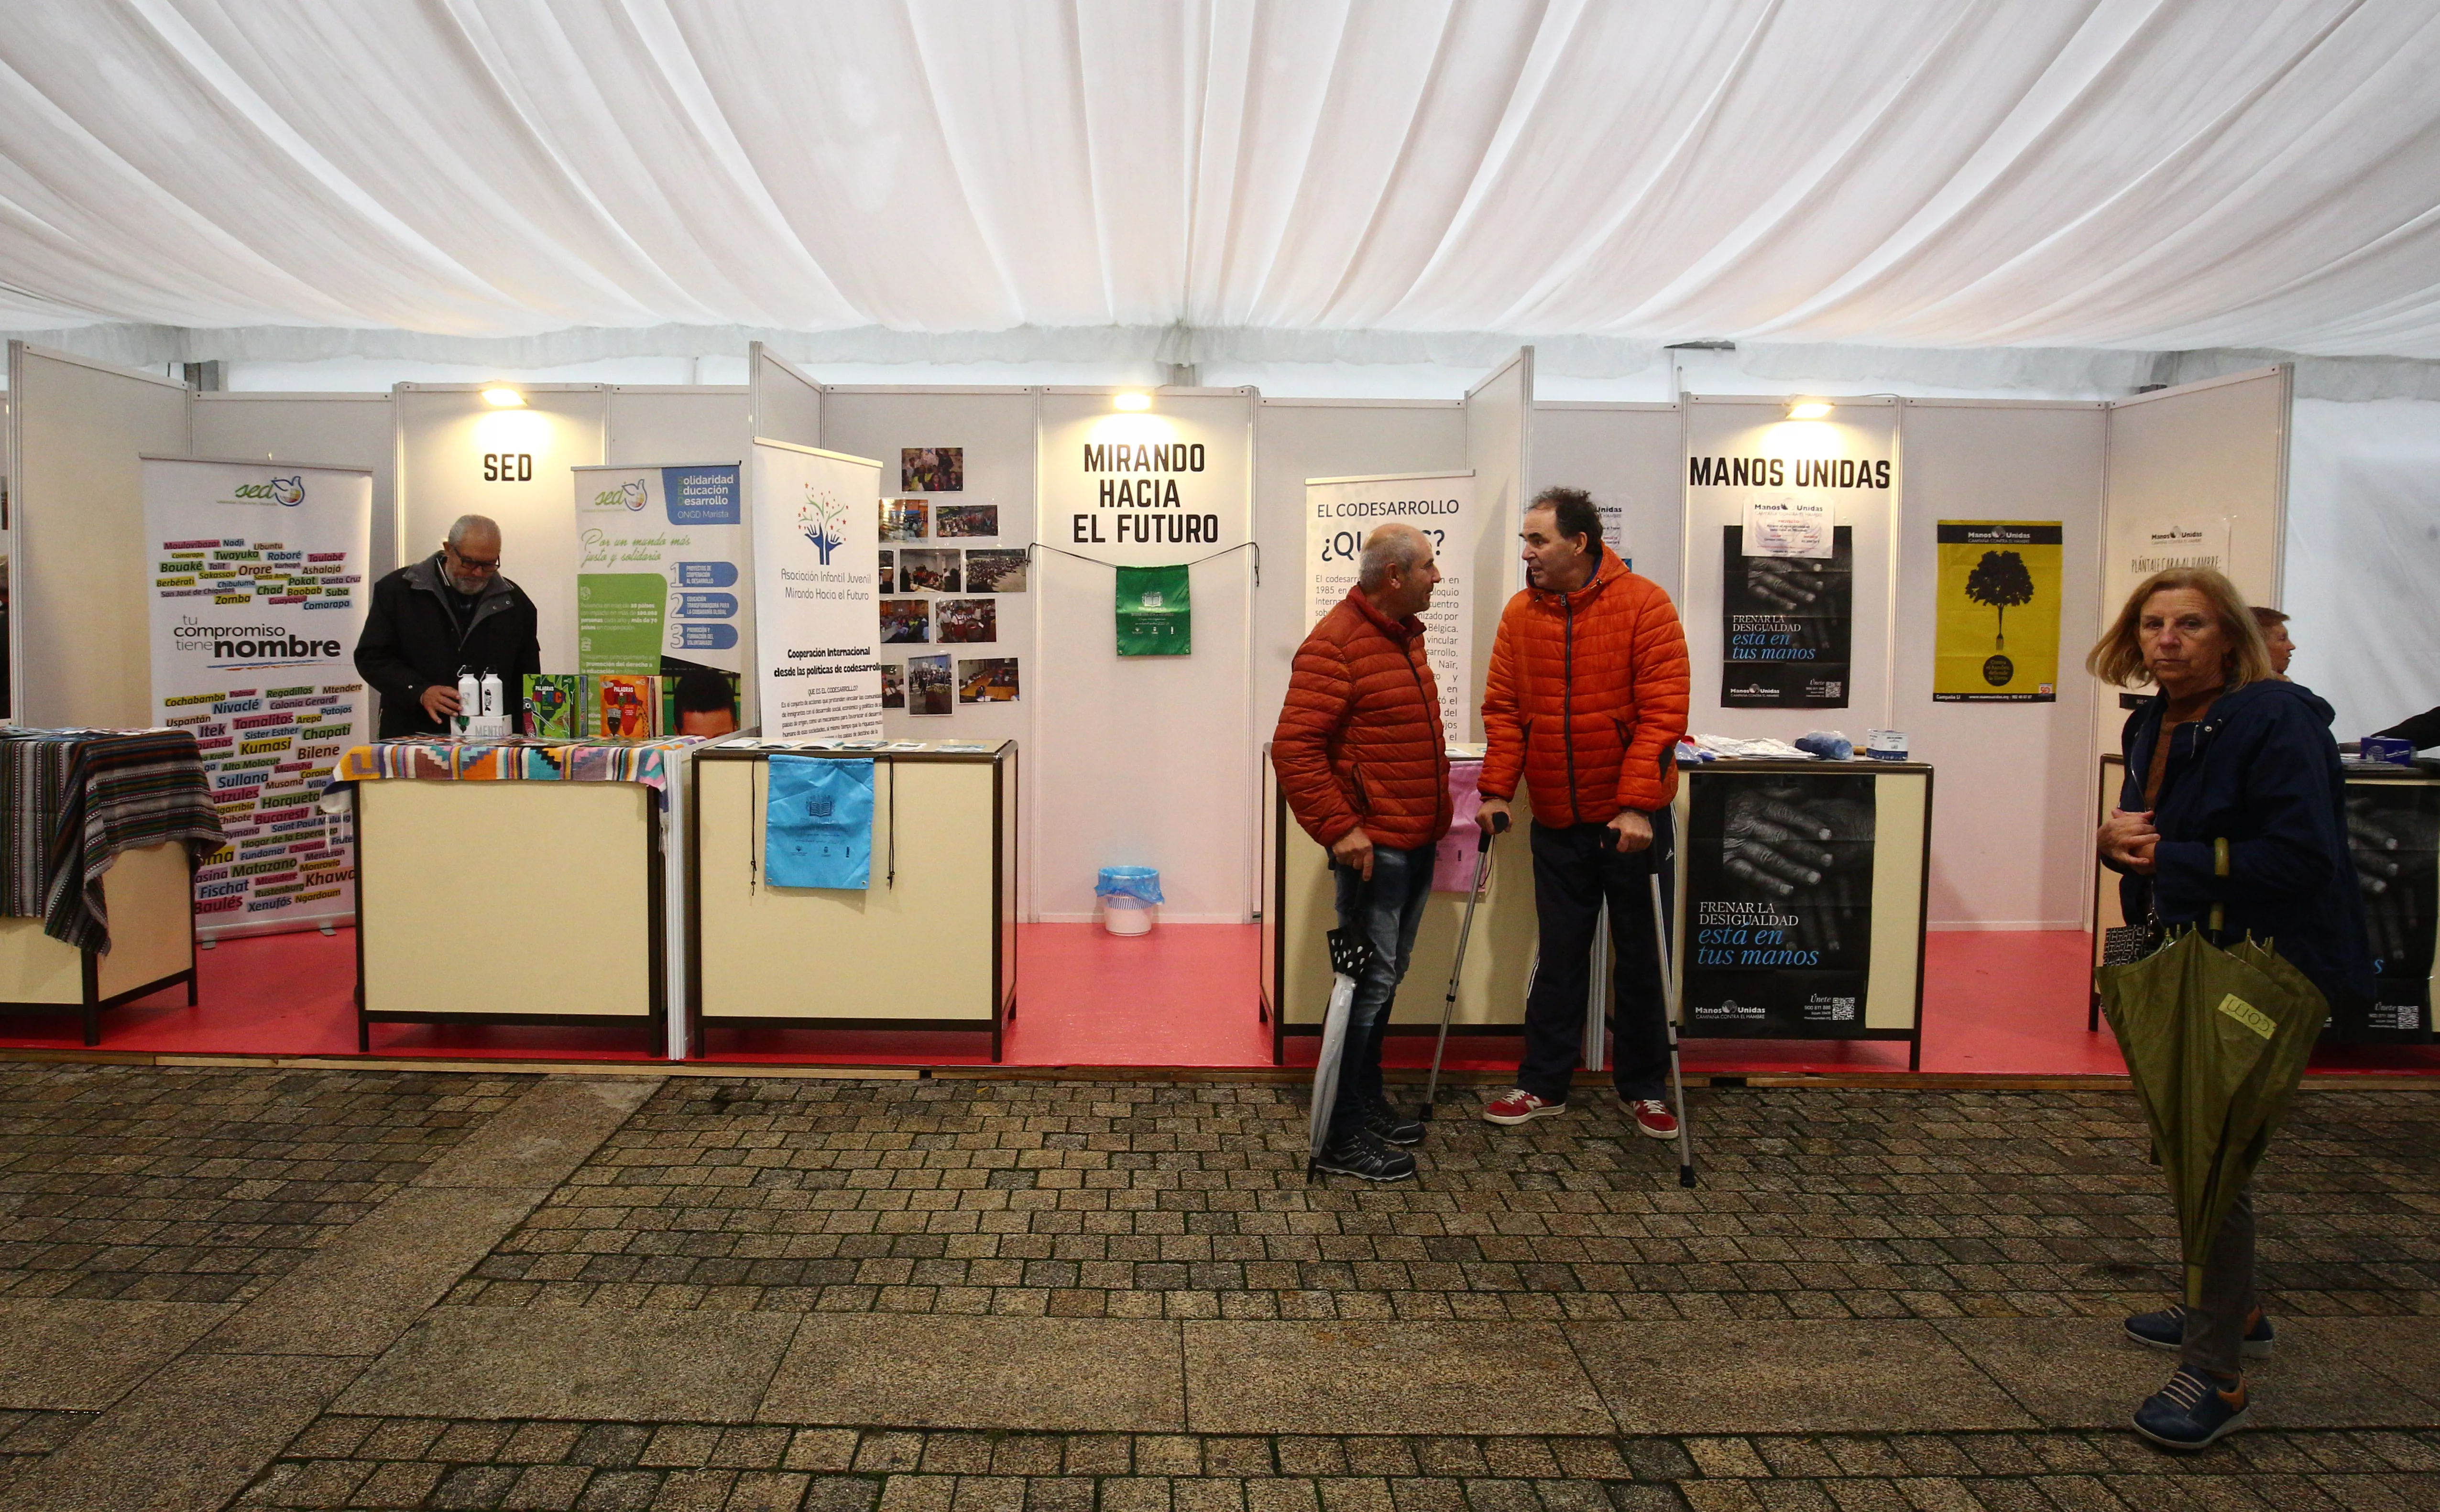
[(78, 599), (2025, 863), (461, 455), (816, 518), (1148, 488), (1850, 457)]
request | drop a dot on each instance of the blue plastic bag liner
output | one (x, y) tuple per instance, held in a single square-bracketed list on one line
[(1129, 886), (817, 823)]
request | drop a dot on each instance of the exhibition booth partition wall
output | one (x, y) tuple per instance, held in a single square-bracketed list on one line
[(1047, 631)]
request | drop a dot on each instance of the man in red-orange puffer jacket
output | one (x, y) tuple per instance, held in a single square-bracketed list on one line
[(1586, 701), (1362, 760)]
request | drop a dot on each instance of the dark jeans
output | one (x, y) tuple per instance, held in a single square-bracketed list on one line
[(1388, 911), (1576, 874)]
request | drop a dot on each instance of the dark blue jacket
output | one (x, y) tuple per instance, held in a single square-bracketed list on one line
[(2252, 820)]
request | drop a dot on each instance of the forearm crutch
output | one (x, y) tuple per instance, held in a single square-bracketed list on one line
[(1464, 929), (1669, 1009)]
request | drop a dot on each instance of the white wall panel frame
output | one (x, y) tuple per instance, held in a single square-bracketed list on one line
[(79, 620), (445, 433)]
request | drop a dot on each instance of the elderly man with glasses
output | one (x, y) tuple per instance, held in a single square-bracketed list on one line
[(449, 614)]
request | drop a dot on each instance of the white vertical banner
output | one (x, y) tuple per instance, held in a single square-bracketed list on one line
[(1340, 512), (257, 598), (816, 605)]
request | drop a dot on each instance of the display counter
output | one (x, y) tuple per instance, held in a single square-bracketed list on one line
[(513, 883), (930, 943), (1851, 907), (2393, 838), (148, 895), (1802, 889), (98, 868), (1299, 909)]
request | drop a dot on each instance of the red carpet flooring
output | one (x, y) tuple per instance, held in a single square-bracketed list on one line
[(1994, 1003)]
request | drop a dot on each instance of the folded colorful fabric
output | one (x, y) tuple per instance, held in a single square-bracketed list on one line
[(79, 799), (644, 761)]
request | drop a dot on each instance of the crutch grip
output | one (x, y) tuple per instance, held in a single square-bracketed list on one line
[(1482, 839)]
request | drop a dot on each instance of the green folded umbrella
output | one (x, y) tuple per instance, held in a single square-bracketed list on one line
[(2216, 1041)]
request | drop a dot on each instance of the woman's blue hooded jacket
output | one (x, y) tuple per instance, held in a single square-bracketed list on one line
[(2252, 820)]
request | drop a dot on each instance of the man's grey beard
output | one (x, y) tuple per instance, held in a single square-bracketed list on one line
[(468, 586)]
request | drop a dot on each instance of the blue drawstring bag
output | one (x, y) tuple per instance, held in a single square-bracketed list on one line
[(817, 823)]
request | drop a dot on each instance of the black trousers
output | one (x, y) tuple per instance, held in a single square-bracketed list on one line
[(1575, 874)]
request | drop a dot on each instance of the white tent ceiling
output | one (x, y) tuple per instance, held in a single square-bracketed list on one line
[(2141, 173)]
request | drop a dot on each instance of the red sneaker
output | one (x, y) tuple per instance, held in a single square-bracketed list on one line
[(1520, 1107), (1653, 1116)]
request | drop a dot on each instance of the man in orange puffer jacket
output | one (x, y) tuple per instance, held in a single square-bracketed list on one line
[(1361, 757), (1586, 701)]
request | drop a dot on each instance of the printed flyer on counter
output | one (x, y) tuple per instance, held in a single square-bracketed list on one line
[(1981, 652), (1787, 626), (658, 569), (816, 614), (258, 599), (1779, 905)]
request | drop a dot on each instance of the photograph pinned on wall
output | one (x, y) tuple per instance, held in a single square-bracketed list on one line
[(932, 468), (903, 519), (928, 688), (906, 623), (995, 572), (987, 680), (893, 685), (889, 575), (929, 571), (966, 521), (968, 621)]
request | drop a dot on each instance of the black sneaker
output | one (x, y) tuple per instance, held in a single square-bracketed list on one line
[(2192, 1411), (1384, 1124), (2166, 1329), (1361, 1155)]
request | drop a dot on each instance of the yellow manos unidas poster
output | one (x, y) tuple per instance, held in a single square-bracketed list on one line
[(1997, 634)]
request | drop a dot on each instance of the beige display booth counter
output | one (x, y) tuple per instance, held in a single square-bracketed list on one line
[(1802, 888), (510, 903), (931, 944), (1855, 924), (150, 894), (2394, 840), (1299, 909)]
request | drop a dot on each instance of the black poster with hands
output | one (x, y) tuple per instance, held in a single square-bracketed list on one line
[(2394, 839), (1779, 904), (1787, 626)]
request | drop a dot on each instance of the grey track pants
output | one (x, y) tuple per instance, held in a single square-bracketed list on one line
[(2216, 1330)]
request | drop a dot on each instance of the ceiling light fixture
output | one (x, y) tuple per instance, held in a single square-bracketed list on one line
[(1807, 409), (500, 395), (1132, 399)]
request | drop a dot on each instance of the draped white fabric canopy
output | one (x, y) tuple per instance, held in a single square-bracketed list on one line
[(2139, 173)]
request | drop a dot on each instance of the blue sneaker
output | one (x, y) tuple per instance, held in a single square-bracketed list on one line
[(2191, 1412), (2166, 1329)]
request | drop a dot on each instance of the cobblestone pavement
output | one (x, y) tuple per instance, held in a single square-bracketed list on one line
[(371, 1461), (134, 1193), (201, 1185), (1092, 1199)]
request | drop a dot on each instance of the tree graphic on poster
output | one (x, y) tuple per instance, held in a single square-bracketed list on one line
[(821, 519), (2001, 582)]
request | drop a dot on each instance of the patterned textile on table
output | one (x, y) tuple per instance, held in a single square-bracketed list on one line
[(644, 761), (121, 792), (34, 766)]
